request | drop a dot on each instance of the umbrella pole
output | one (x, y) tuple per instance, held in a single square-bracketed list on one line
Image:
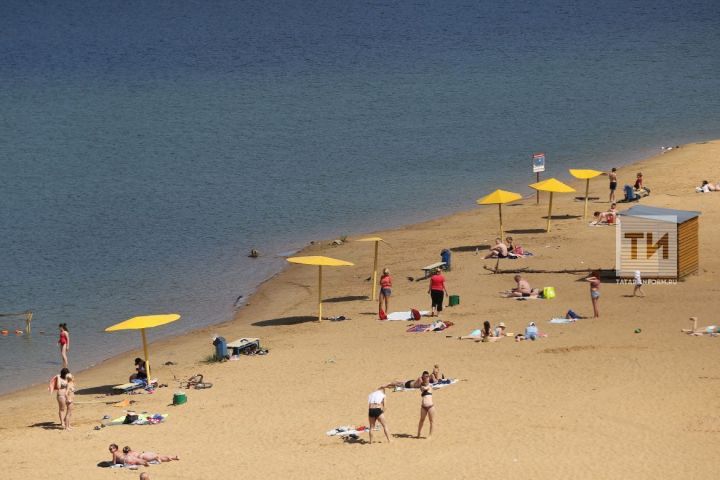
[(147, 359), (549, 212), (501, 229), (587, 188), (374, 278), (319, 293)]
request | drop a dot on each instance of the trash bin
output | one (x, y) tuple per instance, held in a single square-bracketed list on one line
[(445, 257), (220, 348)]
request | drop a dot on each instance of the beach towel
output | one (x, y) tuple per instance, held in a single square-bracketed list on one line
[(142, 419), (436, 326), (563, 320), (404, 316), (346, 430)]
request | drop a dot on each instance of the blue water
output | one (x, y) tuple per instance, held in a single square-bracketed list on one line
[(146, 147)]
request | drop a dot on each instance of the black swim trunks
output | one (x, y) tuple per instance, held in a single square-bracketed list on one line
[(375, 412), (613, 185)]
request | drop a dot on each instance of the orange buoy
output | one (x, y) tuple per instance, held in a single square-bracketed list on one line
[(18, 332), (3, 332)]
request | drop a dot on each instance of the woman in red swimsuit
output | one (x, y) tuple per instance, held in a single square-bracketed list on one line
[(64, 343)]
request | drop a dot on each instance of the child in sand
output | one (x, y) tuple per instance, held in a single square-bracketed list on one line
[(637, 281)]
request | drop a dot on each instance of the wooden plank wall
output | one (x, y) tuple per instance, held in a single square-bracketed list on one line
[(688, 247), (654, 267)]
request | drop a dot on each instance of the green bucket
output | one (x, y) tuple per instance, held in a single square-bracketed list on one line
[(454, 300), (179, 398)]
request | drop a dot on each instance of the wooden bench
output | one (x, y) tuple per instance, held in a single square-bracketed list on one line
[(244, 343), (432, 267)]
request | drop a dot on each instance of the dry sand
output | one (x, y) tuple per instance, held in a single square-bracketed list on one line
[(592, 400)]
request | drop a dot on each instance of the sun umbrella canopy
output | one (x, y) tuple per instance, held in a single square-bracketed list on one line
[(371, 239), (552, 185), (584, 174), (141, 323), (147, 321), (499, 196), (320, 261)]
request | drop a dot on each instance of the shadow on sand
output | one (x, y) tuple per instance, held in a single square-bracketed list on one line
[(348, 298), (46, 426), (98, 390), (276, 322), (469, 248), (520, 231)]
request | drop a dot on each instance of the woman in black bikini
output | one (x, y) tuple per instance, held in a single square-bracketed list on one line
[(427, 408), (376, 412)]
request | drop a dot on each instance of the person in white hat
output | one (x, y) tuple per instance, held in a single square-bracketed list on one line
[(500, 330)]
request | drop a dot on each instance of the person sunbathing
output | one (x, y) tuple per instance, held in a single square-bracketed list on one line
[(709, 330), (708, 187), (601, 218), (523, 289), (500, 330), (500, 250), (399, 384), (118, 458), (147, 456), (435, 375), (531, 333)]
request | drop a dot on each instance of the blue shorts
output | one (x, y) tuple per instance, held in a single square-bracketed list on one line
[(385, 291), (594, 294)]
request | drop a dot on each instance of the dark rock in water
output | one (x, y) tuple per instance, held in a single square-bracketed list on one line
[(254, 253)]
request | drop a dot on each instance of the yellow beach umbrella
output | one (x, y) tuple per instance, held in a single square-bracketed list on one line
[(585, 175), (142, 323), (377, 241), (499, 197), (551, 185), (320, 261)]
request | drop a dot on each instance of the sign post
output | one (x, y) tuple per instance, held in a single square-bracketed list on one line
[(538, 164)]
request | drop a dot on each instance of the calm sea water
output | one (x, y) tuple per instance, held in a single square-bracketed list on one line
[(146, 147)]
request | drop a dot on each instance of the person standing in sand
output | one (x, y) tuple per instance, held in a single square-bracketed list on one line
[(385, 290), (594, 280), (64, 343), (63, 385), (376, 412), (637, 281), (427, 407), (613, 183), (437, 291)]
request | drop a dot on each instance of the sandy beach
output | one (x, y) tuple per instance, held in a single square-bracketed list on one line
[(593, 399)]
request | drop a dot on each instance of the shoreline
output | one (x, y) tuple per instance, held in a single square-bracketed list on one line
[(314, 244), (561, 397)]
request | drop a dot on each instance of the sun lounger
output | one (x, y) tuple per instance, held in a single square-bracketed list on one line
[(432, 267), (132, 386), (239, 346)]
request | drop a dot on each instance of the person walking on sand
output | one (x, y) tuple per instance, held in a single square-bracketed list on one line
[(594, 280), (427, 407), (64, 343), (613, 183), (638, 285), (376, 412), (437, 291), (385, 290), (63, 385)]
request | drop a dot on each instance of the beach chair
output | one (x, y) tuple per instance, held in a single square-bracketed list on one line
[(432, 267), (132, 386)]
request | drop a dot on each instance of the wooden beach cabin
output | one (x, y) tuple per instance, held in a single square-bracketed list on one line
[(662, 243)]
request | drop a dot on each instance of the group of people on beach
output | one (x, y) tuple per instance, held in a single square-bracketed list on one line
[(638, 188), (436, 289), (424, 383)]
